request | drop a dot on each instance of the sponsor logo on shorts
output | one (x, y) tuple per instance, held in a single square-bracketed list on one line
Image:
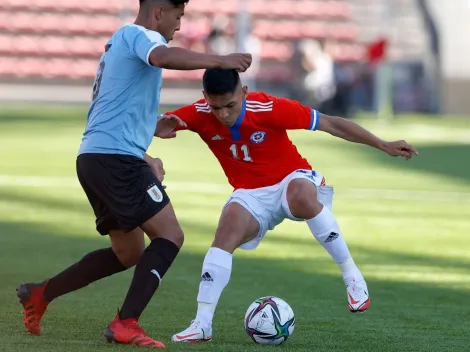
[(258, 137), (155, 193)]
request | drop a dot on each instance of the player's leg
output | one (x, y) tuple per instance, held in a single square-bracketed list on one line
[(166, 240), (35, 297), (144, 205), (302, 203), (236, 226), (123, 253)]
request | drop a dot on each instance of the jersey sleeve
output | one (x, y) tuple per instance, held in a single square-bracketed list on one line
[(188, 114), (142, 41), (292, 115)]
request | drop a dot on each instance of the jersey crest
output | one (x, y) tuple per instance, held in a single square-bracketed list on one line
[(258, 137)]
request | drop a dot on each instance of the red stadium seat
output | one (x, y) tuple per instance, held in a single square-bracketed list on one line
[(271, 50), (46, 38), (50, 23), (21, 22), (19, 4), (6, 44), (83, 68), (25, 45), (29, 67), (183, 75), (6, 66), (4, 22), (103, 24)]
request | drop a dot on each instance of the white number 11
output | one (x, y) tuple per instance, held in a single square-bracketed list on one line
[(244, 148)]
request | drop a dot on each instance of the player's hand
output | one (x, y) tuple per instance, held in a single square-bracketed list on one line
[(400, 148), (239, 62), (167, 124), (156, 165)]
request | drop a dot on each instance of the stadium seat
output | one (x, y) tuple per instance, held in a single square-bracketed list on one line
[(65, 39), (6, 44), (271, 50), (26, 45)]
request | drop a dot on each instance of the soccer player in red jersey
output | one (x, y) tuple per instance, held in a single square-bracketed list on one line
[(247, 132)]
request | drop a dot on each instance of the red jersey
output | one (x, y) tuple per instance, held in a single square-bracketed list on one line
[(256, 151)]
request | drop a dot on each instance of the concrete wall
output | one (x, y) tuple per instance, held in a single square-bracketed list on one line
[(453, 19)]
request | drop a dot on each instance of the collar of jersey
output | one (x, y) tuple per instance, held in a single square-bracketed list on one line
[(235, 129)]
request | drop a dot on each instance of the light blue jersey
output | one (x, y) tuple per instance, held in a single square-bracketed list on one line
[(126, 95)]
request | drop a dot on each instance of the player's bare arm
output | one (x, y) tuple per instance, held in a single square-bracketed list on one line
[(181, 59), (352, 132)]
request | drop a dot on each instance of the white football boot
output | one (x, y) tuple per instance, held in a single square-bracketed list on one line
[(358, 294), (194, 334)]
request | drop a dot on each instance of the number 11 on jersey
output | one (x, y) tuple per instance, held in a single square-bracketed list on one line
[(245, 150)]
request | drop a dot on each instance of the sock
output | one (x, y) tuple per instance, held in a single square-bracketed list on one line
[(92, 267), (326, 231), (154, 263), (216, 271)]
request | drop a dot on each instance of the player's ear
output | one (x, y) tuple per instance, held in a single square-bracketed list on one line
[(204, 93), (158, 12), (245, 91)]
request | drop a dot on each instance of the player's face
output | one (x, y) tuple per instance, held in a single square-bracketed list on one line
[(169, 20), (227, 107)]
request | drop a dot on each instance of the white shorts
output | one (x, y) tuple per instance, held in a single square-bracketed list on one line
[(269, 206)]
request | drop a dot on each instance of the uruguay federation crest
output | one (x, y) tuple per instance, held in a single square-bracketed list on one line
[(258, 137)]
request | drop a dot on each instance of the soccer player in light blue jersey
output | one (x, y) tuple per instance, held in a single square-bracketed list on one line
[(122, 183)]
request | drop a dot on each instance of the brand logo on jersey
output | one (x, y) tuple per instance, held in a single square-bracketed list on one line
[(258, 137), (217, 138)]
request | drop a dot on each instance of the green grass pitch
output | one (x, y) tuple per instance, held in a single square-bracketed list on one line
[(407, 224)]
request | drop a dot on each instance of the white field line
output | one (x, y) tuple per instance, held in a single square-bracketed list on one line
[(210, 188)]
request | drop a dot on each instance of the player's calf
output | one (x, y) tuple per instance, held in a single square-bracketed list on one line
[(303, 202), (166, 239), (236, 226)]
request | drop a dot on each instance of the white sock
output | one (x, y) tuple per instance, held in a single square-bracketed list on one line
[(215, 275), (326, 230)]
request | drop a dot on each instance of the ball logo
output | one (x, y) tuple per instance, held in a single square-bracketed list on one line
[(258, 137)]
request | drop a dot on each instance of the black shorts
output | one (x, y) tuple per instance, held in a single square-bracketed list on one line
[(122, 190)]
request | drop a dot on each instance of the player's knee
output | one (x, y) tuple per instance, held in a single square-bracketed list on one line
[(302, 199), (177, 236), (227, 237), (129, 256), (164, 225), (236, 226), (173, 232)]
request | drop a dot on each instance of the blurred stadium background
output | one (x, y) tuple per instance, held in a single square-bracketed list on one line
[(49, 49), (399, 67)]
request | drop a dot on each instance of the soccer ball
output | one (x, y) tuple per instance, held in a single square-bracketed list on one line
[(269, 321)]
